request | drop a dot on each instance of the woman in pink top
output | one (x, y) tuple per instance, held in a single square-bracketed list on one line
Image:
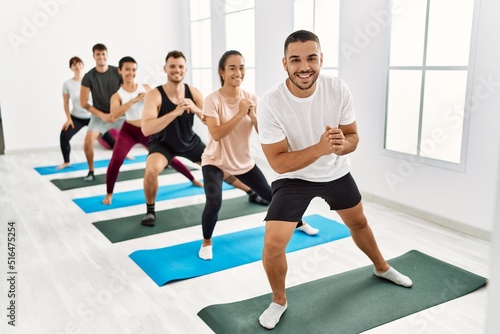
[(230, 114)]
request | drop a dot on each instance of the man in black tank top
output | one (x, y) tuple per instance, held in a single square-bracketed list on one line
[(168, 118), (178, 136)]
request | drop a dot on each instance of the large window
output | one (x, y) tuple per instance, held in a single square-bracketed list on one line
[(322, 18), (428, 79), (201, 45), (240, 36)]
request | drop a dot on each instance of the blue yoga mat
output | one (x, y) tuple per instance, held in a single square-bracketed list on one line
[(178, 262), (134, 197), (47, 170)]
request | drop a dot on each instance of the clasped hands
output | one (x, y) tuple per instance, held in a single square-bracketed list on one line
[(332, 141), (247, 107), (187, 105)]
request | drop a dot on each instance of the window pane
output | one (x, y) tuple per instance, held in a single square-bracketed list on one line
[(443, 116), (201, 44), (403, 111), (303, 15), (199, 9), (237, 5), (202, 79), (450, 25), (242, 40), (327, 29), (408, 32)]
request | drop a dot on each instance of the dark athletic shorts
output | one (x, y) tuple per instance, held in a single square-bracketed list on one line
[(291, 197), (194, 155)]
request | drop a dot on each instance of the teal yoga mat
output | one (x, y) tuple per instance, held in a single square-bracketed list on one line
[(126, 228), (134, 197), (47, 170), (351, 302), (179, 262)]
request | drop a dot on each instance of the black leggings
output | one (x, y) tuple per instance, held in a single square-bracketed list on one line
[(212, 181), (66, 135)]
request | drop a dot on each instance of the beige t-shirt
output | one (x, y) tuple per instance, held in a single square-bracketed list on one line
[(231, 153)]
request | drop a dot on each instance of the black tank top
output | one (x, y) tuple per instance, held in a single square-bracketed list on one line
[(178, 135)]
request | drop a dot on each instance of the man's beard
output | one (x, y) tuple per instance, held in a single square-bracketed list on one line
[(174, 79), (297, 84)]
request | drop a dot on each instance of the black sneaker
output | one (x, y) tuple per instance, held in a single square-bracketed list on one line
[(148, 220), (89, 177), (254, 198)]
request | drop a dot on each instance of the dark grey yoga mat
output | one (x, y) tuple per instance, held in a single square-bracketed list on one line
[(78, 182), (350, 302), (126, 228)]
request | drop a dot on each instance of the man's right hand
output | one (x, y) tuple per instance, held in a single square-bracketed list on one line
[(181, 108), (325, 143), (108, 118)]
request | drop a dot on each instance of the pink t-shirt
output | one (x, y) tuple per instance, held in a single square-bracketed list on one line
[(231, 153)]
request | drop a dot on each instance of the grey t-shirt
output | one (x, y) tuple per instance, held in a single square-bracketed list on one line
[(102, 86)]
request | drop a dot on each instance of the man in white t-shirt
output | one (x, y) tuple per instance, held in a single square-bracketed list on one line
[(307, 128)]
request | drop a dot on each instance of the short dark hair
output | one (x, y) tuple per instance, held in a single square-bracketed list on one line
[(223, 59), (74, 60), (126, 59), (301, 36), (175, 54), (99, 47)]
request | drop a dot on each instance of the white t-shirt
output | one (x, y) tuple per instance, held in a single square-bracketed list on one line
[(135, 111), (302, 121), (72, 88)]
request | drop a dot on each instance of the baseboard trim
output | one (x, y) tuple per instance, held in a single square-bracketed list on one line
[(436, 219)]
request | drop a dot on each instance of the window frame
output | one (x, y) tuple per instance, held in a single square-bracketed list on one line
[(418, 158), (199, 69), (328, 69), (250, 87)]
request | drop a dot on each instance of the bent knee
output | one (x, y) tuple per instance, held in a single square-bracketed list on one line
[(274, 245), (358, 224), (151, 173)]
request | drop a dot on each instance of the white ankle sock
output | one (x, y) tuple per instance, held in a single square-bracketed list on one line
[(308, 229), (395, 276), (206, 253), (271, 316)]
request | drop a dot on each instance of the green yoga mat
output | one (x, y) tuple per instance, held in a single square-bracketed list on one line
[(78, 182), (350, 302), (127, 228)]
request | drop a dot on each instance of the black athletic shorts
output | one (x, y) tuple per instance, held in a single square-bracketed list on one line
[(194, 154), (291, 197)]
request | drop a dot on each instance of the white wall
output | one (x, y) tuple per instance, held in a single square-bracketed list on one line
[(493, 321), (40, 36), (467, 198)]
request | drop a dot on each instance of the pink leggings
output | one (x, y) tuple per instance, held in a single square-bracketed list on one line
[(128, 136)]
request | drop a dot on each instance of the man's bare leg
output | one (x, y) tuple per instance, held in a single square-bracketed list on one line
[(88, 148), (363, 237), (277, 236), (155, 164)]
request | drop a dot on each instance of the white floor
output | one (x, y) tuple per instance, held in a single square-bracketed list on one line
[(71, 279)]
